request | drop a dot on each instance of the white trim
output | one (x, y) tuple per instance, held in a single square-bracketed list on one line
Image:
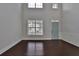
[(72, 38), (60, 35), (54, 20), (39, 39), (9, 46), (36, 38)]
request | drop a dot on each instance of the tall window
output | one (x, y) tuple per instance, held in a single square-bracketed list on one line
[(35, 27)]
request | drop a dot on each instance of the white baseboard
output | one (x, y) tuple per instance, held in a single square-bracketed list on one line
[(72, 38), (40, 38), (37, 38), (8, 47)]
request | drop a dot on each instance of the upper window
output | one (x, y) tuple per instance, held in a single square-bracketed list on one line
[(31, 5), (39, 5), (55, 6), (35, 5)]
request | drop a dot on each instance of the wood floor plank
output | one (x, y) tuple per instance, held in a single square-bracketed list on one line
[(50, 48)]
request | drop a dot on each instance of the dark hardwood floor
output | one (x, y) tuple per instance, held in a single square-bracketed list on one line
[(50, 48)]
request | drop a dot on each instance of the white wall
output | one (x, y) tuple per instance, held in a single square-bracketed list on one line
[(47, 13), (10, 25), (70, 23)]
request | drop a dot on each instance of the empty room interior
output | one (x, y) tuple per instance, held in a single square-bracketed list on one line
[(39, 29)]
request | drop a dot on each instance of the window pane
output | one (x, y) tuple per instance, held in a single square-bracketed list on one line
[(31, 5), (31, 31), (35, 27), (39, 5), (31, 23), (55, 5)]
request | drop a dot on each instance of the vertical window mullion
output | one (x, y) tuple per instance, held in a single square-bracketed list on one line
[(35, 27)]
